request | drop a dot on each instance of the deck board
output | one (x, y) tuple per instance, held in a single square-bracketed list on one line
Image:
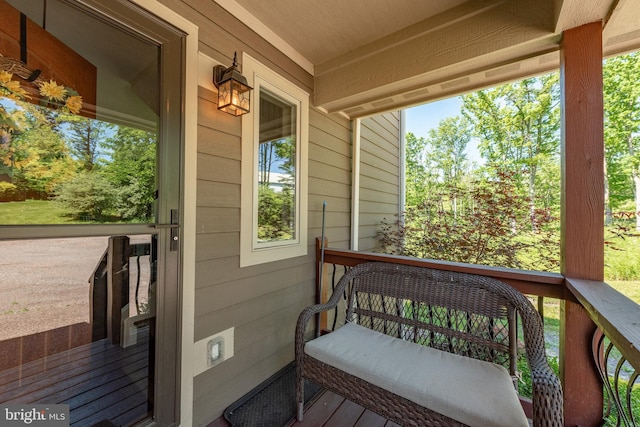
[(321, 410), (99, 381), (38, 387), (46, 363), (347, 414), (370, 419), (332, 410)]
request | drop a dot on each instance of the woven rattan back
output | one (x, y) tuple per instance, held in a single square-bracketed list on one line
[(465, 314)]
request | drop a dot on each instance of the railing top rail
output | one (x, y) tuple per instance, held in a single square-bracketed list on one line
[(528, 282), (614, 313)]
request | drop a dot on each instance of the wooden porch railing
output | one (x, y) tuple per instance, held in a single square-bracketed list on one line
[(617, 317)]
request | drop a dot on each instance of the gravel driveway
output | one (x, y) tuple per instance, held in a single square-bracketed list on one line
[(44, 284)]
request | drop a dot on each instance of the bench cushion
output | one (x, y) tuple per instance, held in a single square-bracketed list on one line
[(470, 391)]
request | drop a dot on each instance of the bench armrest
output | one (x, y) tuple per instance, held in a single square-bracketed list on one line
[(547, 396), (308, 313), (301, 326)]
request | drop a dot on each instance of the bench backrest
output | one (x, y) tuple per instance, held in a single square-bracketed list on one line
[(465, 314)]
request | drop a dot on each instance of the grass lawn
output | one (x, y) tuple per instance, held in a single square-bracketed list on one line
[(33, 212)]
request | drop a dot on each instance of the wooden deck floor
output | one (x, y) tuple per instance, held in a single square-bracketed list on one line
[(332, 410), (99, 381)]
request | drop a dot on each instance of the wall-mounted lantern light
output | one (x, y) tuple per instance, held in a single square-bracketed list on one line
[(234, 94)]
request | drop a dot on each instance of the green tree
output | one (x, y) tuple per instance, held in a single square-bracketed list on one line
[(131, 169), (493, 232), (88, 196), (277, 155), (622, 131), (276, 208), (518, 125), (276, 214), (448, 144), (84, 138), (44, 161), (35, 155), (416, 179)]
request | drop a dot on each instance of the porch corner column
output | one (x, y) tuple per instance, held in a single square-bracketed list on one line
[(582, 225)]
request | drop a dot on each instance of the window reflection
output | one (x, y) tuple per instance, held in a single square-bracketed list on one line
[(276, 170), (78, 118)]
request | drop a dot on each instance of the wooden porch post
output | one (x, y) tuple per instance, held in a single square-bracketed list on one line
[(582, 229)]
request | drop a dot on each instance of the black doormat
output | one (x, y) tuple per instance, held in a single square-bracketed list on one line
[(272, 403)]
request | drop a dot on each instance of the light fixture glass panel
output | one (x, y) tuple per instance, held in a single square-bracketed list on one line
[(233, 97)]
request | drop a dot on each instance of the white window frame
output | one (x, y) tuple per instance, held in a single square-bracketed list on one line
[(253, 252)]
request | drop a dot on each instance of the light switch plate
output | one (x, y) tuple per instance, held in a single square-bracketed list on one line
[(203, 350)]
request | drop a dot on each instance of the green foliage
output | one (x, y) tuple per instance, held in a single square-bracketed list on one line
[(41, 160), (88, 196), (504, 212), (622, 129), (277, 154), (488, 222), (8, 192), (84, 138), (611, 418), (276, 205), (35, 157), (132, 170), (276, 214), (448, 144), (518, 128), (621, 259), (517, 124), (51, 154), (416, 179)]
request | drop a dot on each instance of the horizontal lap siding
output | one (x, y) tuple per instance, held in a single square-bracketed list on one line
[(261, 302), (329, 178), (379, 175)]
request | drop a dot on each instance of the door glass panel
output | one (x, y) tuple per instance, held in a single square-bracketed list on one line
[(77, 321), (78, 118)]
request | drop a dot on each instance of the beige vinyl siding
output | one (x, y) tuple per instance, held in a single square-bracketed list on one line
[(379, 175), (261, 302), (329, 178)]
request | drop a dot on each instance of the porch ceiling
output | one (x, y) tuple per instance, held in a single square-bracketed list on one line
[(371, 56)]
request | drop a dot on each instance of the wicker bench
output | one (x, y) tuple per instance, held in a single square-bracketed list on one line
[(429, 347)]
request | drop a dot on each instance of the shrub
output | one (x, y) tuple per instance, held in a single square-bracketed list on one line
[(87, 196), (8, 192), (621, 249), (487, 223)]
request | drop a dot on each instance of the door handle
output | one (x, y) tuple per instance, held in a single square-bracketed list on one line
[(174, 227)]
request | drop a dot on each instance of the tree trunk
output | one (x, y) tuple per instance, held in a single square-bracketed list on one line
[(635, 174), (636, 182), (608, 216)]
